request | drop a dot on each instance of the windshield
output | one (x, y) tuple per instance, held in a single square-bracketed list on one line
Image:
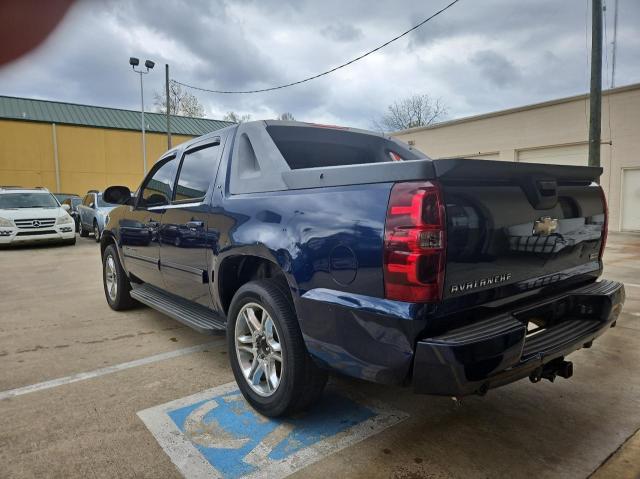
[(104, 204), (27, 200)]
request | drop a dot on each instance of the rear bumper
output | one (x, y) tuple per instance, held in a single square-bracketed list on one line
[(498, 350)]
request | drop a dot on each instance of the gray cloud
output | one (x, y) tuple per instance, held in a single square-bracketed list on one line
[(496, 67), (341, 32), (477, 56)]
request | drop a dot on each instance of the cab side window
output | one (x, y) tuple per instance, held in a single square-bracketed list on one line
[(199, 168), (158, 188)]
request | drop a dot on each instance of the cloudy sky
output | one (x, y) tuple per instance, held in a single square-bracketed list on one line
[(479, 56)]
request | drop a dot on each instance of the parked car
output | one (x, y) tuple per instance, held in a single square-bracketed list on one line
[(73, 202), (33, 215), (61, 197), (92, 213), (331, 249)]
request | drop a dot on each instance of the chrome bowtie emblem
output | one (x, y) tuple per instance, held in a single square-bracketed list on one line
[(35, 224), (545, 226)]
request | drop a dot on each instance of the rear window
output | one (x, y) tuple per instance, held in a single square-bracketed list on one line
[(309, 147)]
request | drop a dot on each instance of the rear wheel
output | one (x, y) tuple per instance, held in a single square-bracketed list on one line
[(116, 284), (83, 232), (270, 362)]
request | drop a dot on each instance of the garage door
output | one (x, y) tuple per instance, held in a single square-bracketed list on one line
[(576, 155), (631, 200)]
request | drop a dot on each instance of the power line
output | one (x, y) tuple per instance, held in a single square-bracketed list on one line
[(279, 87)]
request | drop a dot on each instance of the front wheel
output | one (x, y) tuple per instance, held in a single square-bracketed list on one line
[(268, 356), (117, 287), (96, 231)]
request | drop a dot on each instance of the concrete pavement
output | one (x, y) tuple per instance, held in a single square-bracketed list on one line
[(55, 323)]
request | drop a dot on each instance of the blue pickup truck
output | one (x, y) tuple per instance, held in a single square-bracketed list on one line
[(319, 248)]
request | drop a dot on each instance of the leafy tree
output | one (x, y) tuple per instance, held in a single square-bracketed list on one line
[(181, 102), (413, 111)]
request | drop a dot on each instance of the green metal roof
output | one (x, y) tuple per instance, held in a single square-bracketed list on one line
[(97, 116)]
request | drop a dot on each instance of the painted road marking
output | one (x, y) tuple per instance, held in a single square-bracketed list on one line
[(108, 370), (633, 285), (215, 434)]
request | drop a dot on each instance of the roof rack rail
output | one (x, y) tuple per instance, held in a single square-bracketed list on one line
[(93, 191)]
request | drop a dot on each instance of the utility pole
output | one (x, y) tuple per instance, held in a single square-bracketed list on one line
[(166, 87), (595, 97), (614, 46)]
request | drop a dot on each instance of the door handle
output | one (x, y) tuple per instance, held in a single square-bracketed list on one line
[(195, 225)]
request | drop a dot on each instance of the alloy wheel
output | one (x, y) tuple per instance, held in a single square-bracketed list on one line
[(258, 349), (111, 278)]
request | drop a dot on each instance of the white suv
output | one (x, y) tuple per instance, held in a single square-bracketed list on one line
[(33, 215)]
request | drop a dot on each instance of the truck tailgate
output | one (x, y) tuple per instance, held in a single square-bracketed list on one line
[(524, 225)]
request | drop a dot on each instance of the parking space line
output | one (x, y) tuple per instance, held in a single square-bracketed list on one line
[(633, 285), (108, 370)]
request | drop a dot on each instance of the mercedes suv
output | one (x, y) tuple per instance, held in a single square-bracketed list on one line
[(29, 215)]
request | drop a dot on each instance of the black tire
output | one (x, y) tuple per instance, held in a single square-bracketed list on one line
[(301, 382), (96, 231), (83, 233), (122, 299)]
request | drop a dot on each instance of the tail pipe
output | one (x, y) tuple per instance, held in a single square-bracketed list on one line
[(557, 367)]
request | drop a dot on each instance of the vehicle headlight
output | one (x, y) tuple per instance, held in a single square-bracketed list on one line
[(5, 223), (64, 220)]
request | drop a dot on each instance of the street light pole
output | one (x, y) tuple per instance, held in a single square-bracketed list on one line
[(134, 62), (166, 87), (144, 141)]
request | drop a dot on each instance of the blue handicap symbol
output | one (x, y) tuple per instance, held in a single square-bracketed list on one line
[(237, 441)]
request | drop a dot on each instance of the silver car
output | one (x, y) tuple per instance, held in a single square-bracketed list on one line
[(92, 214)]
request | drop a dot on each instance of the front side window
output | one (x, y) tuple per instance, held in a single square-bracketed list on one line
[(199, 168), (27, 200), (88, 200), (157, 189), (103, 204)]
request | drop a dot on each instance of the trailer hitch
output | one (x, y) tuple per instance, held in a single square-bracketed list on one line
[(557, 367)]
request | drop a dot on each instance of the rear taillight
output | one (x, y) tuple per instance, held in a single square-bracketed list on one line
[(605, 227), (415, 243)]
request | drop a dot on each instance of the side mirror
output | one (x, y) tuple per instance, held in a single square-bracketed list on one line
[(92, 205), (66, 207), (119, 195)]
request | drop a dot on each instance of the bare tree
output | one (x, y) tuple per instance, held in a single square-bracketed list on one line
[(287, 116), (236, 118), (181, 102), (415, 110)]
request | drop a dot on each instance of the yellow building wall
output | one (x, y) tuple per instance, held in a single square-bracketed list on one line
[(26, 154), (89, 158)]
